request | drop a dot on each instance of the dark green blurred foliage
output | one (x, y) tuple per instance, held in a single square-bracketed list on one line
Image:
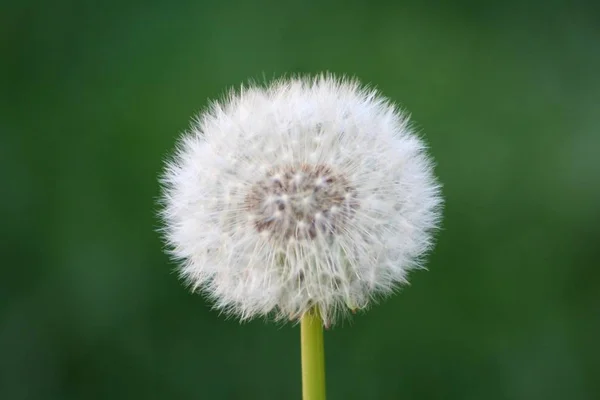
[(94, 94)]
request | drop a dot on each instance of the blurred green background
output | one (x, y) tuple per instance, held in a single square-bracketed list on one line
[(94, 94)]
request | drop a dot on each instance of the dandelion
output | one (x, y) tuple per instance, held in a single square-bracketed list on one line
[(311, 197)]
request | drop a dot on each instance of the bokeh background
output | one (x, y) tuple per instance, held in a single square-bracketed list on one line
[(94, 94)]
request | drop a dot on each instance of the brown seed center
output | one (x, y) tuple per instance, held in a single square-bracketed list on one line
[(301, 202)]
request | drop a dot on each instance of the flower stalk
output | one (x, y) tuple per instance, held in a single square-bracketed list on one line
[(313, 356)]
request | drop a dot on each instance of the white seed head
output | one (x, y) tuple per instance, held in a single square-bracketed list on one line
[(311, 192)]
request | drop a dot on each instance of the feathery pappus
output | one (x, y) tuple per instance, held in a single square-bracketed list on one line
[(307, 192)]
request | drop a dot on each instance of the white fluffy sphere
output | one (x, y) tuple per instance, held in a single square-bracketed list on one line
[(311, 192)]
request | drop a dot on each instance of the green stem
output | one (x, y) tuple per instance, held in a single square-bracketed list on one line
[(313, 356)]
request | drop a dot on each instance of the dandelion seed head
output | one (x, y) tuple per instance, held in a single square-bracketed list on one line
[(309, 192)]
